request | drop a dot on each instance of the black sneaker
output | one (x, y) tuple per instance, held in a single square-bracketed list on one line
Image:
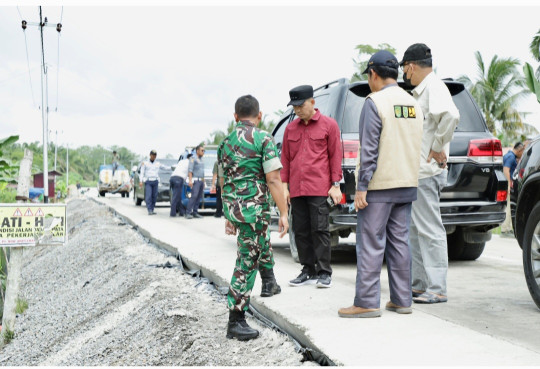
[(303, 279), (324, 281)]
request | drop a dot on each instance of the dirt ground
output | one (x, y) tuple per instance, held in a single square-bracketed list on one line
[(102, 299)]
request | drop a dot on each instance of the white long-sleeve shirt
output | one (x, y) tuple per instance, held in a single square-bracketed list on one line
[(150, 170), (441, 118), (181, 169)]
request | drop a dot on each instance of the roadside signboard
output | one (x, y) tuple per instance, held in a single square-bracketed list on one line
[(32, 225)]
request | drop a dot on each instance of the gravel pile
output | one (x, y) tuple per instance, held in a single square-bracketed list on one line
[(99, 301)]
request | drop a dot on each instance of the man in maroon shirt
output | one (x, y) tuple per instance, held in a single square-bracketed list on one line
[(311, 157)]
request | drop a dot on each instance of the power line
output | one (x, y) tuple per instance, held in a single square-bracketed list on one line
[(28, 61)]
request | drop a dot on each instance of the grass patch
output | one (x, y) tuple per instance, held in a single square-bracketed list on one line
[(21, 306), (8, 336), (496, 230)]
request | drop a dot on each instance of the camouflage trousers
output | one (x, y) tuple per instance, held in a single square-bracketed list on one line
[(254, 253)]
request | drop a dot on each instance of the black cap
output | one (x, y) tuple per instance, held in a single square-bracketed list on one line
[(300, 94), (416, 52), (382, 58), (153, 152)]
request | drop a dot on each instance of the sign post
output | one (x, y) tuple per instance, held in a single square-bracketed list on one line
[(25, 224)]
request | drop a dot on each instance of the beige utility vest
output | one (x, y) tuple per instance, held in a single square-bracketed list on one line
[(402, 119)]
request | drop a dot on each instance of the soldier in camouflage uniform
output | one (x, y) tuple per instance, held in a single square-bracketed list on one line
[(249, 165)]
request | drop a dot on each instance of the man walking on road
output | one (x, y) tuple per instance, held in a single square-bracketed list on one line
[(427, 235), (510, 161), (196, 182), (311, 158), (249, 166), (390, 128), (150, 177)]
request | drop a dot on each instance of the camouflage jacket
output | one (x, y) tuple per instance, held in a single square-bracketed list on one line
[(244, 158)]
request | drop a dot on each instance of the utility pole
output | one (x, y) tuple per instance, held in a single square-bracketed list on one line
[(67, 166), (44, 99)]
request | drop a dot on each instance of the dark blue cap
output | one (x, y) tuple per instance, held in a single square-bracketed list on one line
[(382, 58)]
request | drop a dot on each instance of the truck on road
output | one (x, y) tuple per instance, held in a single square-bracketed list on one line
[(119, 182)]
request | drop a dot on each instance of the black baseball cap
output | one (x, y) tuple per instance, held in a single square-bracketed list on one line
[(153, 152), (382, 58), (416, 52), (300, 94)]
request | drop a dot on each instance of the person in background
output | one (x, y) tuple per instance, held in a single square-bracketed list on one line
[(216, 187), (114, 162), (150, 177), (178, 177), (510, 162), (196, 182), (427, 235)]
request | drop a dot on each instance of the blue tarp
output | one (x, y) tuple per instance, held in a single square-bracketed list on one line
[(35, 192)]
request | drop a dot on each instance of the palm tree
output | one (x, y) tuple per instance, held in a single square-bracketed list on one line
[(535, 51), (498, 88)]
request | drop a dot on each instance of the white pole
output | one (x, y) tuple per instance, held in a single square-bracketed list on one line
[(43, 117), (55, 151), (16, 255), (67, 166)]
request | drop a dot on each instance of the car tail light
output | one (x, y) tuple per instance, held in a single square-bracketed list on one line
[(350, 152), (501, 195), (488, 150), (520, 173)]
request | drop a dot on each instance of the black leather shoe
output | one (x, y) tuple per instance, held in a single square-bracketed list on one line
[(238, 327), (269, 283)]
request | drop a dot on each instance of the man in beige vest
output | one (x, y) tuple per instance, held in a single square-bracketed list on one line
[(390, 132)]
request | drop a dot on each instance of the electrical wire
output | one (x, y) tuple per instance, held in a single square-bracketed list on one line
[(28, 61)]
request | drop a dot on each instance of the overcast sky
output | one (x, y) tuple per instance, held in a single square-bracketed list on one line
[(163, 77)]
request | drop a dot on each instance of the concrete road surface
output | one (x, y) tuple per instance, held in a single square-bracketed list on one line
[(489, 319)]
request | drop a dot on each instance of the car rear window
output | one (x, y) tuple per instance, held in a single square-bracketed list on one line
[(470, 118)]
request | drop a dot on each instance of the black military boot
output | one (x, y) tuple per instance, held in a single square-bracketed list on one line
[(269, 283), (238, 327)]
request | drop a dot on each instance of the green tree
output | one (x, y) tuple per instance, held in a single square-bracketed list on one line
[(219, 135), (497, 89), (535, 51), (7, 170), (364, 53), (533, 79)]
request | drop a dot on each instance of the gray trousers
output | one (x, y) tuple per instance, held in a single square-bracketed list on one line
[(383, 227), (428, 237)]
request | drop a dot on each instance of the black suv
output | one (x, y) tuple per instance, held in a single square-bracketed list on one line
[(474, 199), (525, 210)]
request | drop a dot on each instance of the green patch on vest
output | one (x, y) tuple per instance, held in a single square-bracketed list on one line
[(401, 111)]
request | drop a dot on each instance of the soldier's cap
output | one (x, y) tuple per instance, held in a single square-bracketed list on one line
[(300, 94), (382, 58), (416, 52), (153, 152)]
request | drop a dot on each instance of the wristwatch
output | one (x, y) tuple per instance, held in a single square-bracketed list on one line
[(335, 184)]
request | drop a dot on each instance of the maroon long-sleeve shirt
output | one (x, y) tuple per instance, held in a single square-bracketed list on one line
[(311, 156)]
